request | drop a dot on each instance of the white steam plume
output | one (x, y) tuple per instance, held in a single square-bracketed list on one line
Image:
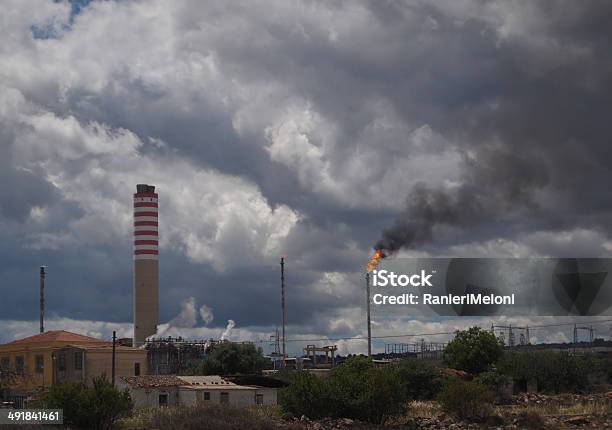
[(207, 314), (228, 330)]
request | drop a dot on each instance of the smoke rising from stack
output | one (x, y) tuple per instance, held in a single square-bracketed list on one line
[(228, 330), (186, 318), (496, 183), (206, 314)]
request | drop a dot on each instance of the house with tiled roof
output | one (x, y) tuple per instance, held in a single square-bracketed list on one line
[(59, 356), (164, 390)]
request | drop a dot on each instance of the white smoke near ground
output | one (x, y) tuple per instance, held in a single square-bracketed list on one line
[(206, 313), (228, 330)]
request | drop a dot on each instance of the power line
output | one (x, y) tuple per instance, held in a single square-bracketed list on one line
[(327, 339)]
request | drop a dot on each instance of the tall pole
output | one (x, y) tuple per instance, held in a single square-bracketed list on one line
[(282, 264), (42, 299), (113, 358), (368, 314)]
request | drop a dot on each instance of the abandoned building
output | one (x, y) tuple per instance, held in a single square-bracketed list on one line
[(168, 390)]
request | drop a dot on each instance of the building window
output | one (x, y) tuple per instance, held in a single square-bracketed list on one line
[(206, 395), (224, 399), (163, 399), (259, 399), (136, 369), (78, 361), (61, 362), (5, 363), (39, 363), (19, 365)]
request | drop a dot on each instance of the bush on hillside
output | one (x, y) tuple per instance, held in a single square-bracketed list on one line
[(419, 379), (307, 395), (497, 383), (553, 372), (466, 400), (473, 350), (364, 392), (95, 408), (355, 389)]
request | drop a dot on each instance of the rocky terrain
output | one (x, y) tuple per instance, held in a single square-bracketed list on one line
[(526, 411)]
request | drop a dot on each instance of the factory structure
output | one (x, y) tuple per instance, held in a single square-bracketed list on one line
[(146, 263), (34, 363)]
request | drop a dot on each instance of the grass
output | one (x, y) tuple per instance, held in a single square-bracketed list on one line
[(423, 409), (556, 408), (205, 418), (529, 416)]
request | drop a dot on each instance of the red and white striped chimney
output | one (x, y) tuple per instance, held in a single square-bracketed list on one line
[(146, 264), (146, 214)]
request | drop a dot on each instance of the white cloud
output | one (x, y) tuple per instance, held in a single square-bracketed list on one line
[(212, 217)]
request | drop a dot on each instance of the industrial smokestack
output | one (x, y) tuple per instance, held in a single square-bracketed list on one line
[(146, 263), (42, 299), (282, 264)]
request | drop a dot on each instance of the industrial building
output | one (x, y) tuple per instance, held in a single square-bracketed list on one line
[(167, 356), (80, 364), (38, 361), (146, 264), (167, 390)]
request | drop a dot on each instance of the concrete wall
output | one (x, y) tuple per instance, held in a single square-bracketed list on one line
[(30, 378), (149, 397), (99, 361), (187, 397), (146, 299), (237, 397), (270, 395), (96, 362)]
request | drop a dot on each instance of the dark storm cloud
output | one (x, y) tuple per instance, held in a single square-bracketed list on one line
[(20, 191), (537, 125), (520, 94)]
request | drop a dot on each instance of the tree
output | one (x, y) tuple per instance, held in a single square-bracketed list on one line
[(473, 350), (96, 408), (230, 359)]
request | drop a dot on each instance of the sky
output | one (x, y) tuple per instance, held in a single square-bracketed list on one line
[(312, 130)]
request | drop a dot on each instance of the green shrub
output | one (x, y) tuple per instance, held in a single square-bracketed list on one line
[(419, 379), (473, 350), (307, 395), (355, 390), (95, 408), (465, 399), (497, 383), (367, 394), (554, 372)]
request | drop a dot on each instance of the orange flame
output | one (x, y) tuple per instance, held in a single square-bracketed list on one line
[(374, 260)]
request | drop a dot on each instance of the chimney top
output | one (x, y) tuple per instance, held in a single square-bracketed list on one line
[(144, 188)]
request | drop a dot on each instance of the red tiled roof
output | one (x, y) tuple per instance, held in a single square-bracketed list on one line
[(59, 336)]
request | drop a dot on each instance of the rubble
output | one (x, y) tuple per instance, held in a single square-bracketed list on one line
[(512, 416)]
